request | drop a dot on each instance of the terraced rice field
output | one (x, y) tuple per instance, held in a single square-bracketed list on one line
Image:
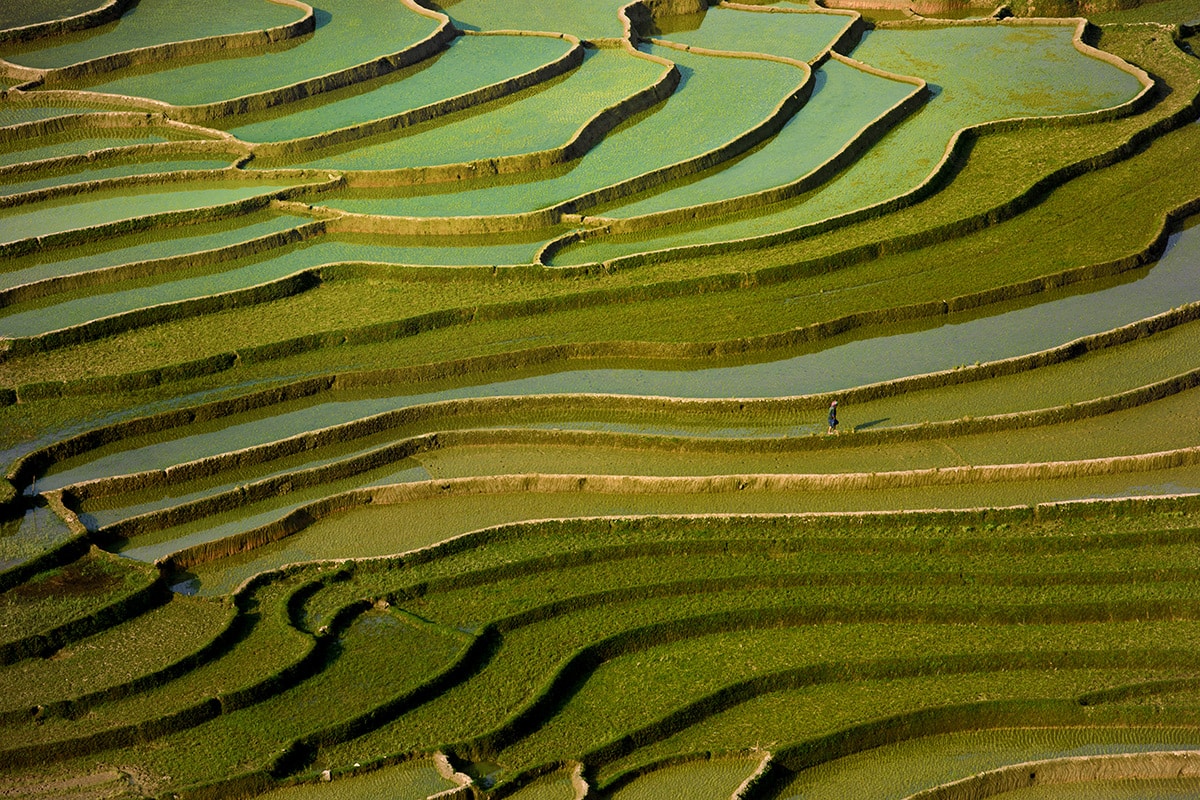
[(422, 400)]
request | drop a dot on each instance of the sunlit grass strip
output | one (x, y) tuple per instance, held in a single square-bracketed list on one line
[(1071, 770), (267, 654), (129, 657), (297, 520)]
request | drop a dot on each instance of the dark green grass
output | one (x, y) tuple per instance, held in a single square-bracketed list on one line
[(70, 593), (243, 672), (147, 644), (379, 657)]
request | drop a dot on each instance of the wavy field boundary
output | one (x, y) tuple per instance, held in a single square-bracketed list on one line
[(469, 435)]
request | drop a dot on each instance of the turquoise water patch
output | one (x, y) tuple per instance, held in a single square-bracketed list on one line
[(470, 62), (844, 100), (801, 36), (89, 172), (97, 208), (970, 72), (587, 19), (31, 12), (539, 118), (143, 246), (149, 23), (663, 137), (13, 114), (349, 32), (57, 146)]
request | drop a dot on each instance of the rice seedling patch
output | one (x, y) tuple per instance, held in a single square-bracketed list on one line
[(65, 594), (132, 650), (1128, 789), (715, 778), (377, 659), (972, 752), (417, 778), (44, 11), (29, 534)]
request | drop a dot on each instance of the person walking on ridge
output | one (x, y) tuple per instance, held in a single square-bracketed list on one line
[(833, 420)]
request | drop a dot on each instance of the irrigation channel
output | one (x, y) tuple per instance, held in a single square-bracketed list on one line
[(411, 400)]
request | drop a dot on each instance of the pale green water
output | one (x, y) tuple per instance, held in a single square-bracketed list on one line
[(970, 73), (13, 114), (844, 100), (144, 246), (469, 63), (587, 19), (411, 780), (117, 171), (97, 208), (54, 147), (654, 142), (536, 119), (153, 22), (349, 32), (899, 770), (799, 36), (29, 12), (152, 546)]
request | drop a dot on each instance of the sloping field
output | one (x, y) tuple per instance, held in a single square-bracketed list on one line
[(598, 400)]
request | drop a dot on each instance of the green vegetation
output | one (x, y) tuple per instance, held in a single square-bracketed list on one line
[(475, 384)]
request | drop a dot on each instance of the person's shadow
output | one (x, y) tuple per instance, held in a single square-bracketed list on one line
[(871, 424)]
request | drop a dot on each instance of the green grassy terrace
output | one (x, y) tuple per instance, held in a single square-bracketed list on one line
[(414, 399)]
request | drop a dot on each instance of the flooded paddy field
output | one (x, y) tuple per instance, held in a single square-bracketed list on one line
[(567, 400)]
